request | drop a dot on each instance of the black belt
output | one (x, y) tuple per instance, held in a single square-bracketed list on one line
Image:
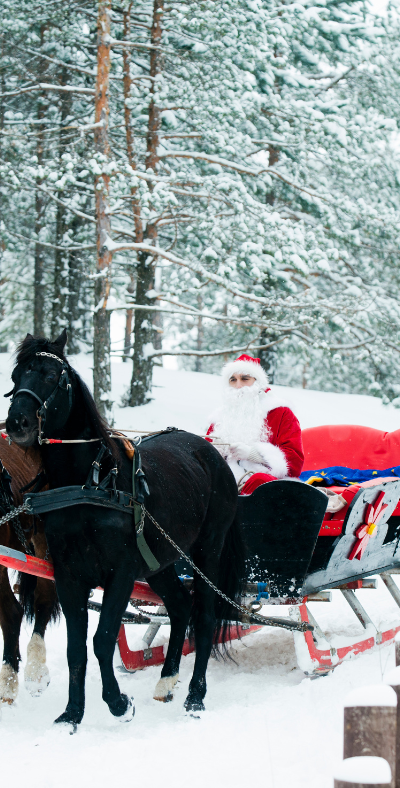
[(62, 497)]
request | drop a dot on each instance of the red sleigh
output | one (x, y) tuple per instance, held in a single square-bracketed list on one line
[(297, 552)]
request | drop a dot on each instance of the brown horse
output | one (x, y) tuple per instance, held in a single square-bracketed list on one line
[(38, 599)]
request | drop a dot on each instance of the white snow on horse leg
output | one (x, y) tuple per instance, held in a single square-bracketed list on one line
[(164, 690), (36, 673), (8, 684)]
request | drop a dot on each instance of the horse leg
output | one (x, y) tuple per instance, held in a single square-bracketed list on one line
[(204, 621), (36, 673), (207, 557), (116, 597), (73, 598), (10, 622), (178, 602)]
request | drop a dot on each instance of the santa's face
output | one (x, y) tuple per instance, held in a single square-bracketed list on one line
[(242, 416), (238, 381)]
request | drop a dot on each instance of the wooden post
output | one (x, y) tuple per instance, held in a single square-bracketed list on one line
[(393, 679), (370, 724), (363, 772), (397, 648)]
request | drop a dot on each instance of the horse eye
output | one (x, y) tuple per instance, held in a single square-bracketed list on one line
[(51, 376)]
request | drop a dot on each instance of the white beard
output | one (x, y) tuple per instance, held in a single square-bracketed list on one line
[(242, 416)]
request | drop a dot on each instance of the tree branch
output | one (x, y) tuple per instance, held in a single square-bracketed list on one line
[(211, 353), (45, 86)]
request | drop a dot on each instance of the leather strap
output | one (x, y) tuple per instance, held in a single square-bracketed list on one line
[(138, 490), (62, 497)]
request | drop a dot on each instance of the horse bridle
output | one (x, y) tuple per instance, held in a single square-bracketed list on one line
[(63, 384)]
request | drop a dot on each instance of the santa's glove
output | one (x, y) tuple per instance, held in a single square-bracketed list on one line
[(242, 451)]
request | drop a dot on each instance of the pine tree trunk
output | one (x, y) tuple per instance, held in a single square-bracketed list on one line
[(60, 290), (101, 339), (75, 281), (130, 147), (3, 348), (200, 335), (141, 382), (144, 333), (39, 289)]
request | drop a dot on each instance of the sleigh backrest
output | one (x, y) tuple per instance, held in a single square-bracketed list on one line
[(351, 446)]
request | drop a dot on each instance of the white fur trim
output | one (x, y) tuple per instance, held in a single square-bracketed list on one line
[(274, 457), (36, 672), (8, 684), (164, 690), (245, 368)]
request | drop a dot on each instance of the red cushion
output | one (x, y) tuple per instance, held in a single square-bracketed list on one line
[(351, 446)]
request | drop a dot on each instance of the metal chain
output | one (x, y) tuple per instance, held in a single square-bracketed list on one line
[(18, 528), (15, 512), (301, 626), (21, 536)]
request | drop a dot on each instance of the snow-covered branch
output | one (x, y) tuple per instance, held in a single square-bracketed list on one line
[(45, 86), (80, 248), (219, 352), (238, 168)]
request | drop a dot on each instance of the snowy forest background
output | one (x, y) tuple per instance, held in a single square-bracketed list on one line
[(224, 174)]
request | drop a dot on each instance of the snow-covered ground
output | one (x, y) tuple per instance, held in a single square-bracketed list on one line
[(265, 721)]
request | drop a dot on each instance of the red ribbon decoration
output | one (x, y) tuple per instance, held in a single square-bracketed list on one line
[(367, 530)]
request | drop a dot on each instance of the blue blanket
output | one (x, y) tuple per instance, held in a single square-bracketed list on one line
[(344, 477)]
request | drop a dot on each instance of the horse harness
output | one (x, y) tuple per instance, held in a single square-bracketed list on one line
[(106, 494)]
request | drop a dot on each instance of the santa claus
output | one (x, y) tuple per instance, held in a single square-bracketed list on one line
[(257, 434)]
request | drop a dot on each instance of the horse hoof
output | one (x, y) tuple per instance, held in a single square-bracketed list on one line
[(67, 726), (192, 705), (38, 685), (123, 708), (67, 722), (164, 690), (8, 684), (36, 673), (130, 712)]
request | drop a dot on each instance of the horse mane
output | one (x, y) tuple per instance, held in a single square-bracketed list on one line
[(26, 352)]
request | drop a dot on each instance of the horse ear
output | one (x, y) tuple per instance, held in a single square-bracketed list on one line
[(61, 341), (28, 336)]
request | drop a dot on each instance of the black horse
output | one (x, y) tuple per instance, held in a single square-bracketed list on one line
[(193, 496)]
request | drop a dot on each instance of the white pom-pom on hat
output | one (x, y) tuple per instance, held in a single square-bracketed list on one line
[(245, 365)]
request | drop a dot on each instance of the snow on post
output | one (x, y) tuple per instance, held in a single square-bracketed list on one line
[(363, 772), (393, 679), (370, 724)]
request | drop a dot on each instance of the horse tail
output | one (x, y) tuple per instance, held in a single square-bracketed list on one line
[(27, 587), (26, 592), (231, 578)]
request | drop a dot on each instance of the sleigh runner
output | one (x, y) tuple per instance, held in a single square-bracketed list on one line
[(296, 553)]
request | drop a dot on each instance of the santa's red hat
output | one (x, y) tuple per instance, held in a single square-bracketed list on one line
[(245, 365)]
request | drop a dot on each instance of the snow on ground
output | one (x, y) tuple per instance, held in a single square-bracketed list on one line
[(265, 721)]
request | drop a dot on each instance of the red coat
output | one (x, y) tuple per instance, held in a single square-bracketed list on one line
[(282, 453)]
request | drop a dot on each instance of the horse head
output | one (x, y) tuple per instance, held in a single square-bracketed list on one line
[(42, 393)]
